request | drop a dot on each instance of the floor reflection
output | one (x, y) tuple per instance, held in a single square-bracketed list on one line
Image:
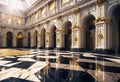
[(54, 66), (62, 75)]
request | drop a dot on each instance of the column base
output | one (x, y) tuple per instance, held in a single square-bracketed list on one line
[(49, 48), (61, 48), (78, 49), (103, 51), (41, 47), (2, 47)]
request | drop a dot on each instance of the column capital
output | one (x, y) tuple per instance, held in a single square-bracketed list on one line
[(59, 31), (59, 17), (76, 11), (100, 2), (47, 22), (77, 27), (47, 33), (99, 19)]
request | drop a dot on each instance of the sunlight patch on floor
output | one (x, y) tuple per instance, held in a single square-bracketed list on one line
[(7, 52)]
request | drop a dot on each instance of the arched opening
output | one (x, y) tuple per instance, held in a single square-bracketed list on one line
[(19, 40), (43, 38), (9, 39), (67, 28), (53, 32), (29, 41), (116, 28), (90, 32), (35, 39)]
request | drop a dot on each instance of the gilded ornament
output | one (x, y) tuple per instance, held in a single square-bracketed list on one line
[(75, 40), (100, 37), (46, 41), (58, 40)]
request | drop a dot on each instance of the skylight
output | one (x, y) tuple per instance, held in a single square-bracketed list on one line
[(18, 4)]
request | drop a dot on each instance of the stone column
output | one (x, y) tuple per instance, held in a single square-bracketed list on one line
[(48, 43), (103, 30), (32, 40), (14, 40), (60, 35), (78, 33), (60, 39), (4, 40), (3, 37), (38, 40), (25, 41), (78, 38)]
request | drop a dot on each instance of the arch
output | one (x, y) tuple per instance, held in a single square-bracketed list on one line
[(111, 8), (53, 36), (89, 27), (115, 26), (9, 39), (42, 40), (67, 37), (19, 40), (29, 39), (35, 38)]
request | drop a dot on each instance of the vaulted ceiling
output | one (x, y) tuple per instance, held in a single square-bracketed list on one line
[(18, 4)]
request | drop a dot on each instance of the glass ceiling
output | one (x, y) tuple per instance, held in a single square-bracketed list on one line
[(18, 4)]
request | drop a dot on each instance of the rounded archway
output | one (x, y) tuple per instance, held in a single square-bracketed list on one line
[(35, 38), (29, 41), (90, 32), (115, 16), (67, 28), (53, 37), (9, 39), (19, 40)]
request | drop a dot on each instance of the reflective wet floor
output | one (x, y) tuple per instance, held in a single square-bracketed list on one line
[(59, 66)]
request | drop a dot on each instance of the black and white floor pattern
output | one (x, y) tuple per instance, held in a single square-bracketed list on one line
[(59, 66)]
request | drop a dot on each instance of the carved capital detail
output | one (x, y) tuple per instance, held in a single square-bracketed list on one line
[(76, 11), (58, 30), (100, 2), (103, 19), (59, 17)]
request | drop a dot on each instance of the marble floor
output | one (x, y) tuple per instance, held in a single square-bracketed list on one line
[(59, 66)]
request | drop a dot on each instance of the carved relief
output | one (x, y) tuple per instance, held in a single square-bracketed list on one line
[(75, 40), (58, 41), (100, 37), (47, 41)]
